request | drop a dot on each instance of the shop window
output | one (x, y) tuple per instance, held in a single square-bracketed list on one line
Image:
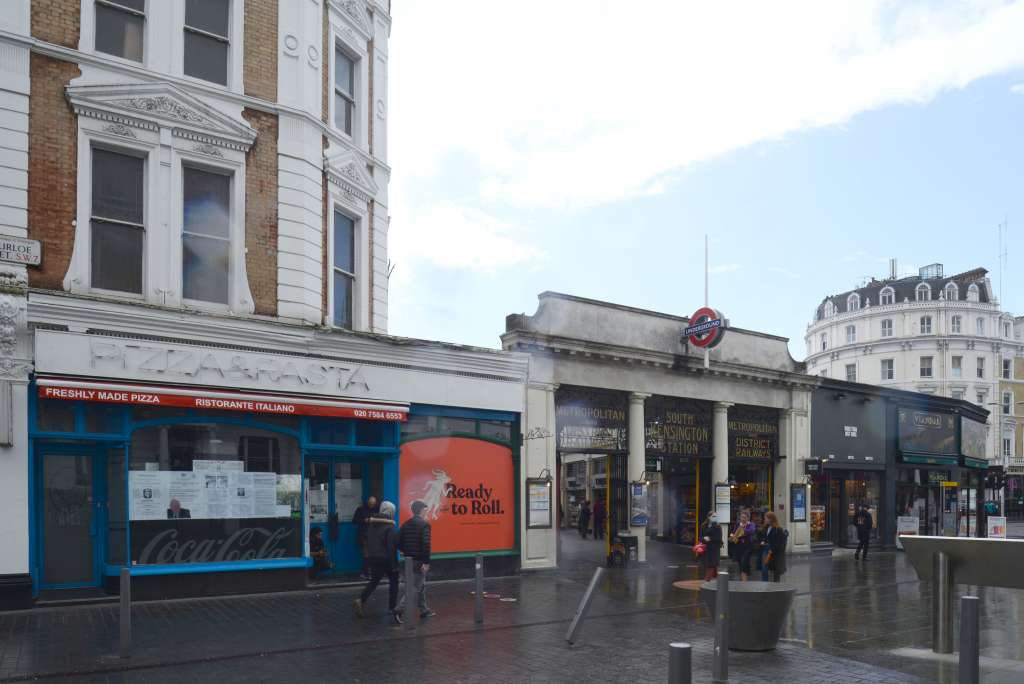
[(242, 483), (374, 433), (121, 27), (750, 488), (206, 235), (330, 431), (862, 488), (344, 270), (103, 418), (54, 415), (887, 327), (955, 324), (926, 366), (888, 372), (206, 40), (117, 228), (956, 369), (117, 519), (418, 425), (494, 429), (926, 325), (461, 425)]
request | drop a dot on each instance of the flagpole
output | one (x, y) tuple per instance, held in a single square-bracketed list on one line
[(707, 352)]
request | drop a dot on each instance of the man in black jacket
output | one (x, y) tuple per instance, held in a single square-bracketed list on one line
[(863, 522), (382, 554), (414, 542), (361, 518)]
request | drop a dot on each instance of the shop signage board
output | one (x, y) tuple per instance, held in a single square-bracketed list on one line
[(588, 420), (639, 505), (14, 250), (927, 432), (678, 427), (906, 525), (538, 503), (753, 433), (996, 527), (973, 437), (723, 503), (469, 488)]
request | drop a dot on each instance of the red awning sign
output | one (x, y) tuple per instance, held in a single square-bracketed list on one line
[(73, 390)]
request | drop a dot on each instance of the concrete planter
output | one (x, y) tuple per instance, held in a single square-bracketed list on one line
[(757, 612)]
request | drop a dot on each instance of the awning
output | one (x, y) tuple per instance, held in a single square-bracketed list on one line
[(217, 400), (929, 459), (981, 463)]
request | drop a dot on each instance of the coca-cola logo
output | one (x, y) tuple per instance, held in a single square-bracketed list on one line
[(247, 543)]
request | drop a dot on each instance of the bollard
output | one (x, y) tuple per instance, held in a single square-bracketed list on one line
[(720, 665), (680, 669), (478, 595), (125, 647), (970, 641), (409, 602), (942, 604), (581, 611)]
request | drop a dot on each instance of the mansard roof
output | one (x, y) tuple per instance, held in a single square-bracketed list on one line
[(906, 289)]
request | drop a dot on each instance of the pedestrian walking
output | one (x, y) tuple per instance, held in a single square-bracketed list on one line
[(776, 538), (711, 535), (414, 542), (743, 538), (584, 521), (361, 518), (382, 553), (761, 546), (599, 518), (864, 523)]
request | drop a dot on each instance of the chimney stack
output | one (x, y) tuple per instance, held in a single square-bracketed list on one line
[(892, 269)]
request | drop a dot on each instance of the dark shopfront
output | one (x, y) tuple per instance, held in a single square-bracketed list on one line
[(204, 492), (915, 461)]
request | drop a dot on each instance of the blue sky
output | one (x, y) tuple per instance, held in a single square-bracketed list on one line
[(810, 151)]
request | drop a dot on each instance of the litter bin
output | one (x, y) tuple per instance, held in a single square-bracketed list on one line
[(630, 544), (757, 612)]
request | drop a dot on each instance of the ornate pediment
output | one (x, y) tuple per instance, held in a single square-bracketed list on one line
[(353, 12), (348, 171), (153, 106)]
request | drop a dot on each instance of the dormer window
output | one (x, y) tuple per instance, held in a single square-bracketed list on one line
[(830, 309), (853, 302), (886, 296), (923, 293), (973, 293), (952, 292)]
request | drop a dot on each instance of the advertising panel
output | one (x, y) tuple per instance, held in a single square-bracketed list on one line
[(678, 427), (996, 527), (588, 420), (925, 432), (753, 432), (847, 428), (468, 486), (973, 437), (210, 540)]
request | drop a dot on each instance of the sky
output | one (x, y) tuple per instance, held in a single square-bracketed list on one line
[(587, 147)]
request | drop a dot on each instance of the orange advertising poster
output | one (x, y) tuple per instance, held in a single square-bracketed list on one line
[(469, 488)]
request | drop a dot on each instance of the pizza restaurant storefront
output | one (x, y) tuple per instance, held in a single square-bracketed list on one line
[(202, 490)]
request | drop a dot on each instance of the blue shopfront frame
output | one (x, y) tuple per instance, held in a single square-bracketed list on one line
[(81, 441)]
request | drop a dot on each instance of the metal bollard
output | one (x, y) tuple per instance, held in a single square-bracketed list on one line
[(409, 602), (970, 641), (125, 647), (942, 604), (581, 611), (720, 665), (478, 607), (680, 667)]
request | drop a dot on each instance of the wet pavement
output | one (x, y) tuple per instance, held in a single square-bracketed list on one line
[(851, 621)]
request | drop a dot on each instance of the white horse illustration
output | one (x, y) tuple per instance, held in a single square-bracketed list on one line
[(434, 493)]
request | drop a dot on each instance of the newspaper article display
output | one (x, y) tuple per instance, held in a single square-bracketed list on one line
[(214, 489)]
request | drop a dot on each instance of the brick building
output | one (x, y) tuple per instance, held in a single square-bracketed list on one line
[(194, 367)]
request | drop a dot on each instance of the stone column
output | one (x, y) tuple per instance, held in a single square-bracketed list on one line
[(720, 448), (637, 461)]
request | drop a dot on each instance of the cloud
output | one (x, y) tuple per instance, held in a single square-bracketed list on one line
[(725, 268), (783, 272), (577, 103), (1017, 89)]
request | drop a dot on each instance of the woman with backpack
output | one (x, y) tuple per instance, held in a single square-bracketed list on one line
[(776, 538)]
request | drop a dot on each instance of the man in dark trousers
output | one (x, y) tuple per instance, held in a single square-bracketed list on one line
[(863, 522), (361, 518), (584, 521), (382, 551), (414, 542), (599, 516)]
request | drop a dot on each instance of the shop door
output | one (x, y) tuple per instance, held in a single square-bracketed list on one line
[(72, 512), (336, 486)]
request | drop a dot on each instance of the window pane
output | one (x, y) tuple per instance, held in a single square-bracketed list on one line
[(119, 33), (54, 415), (205, 264), (117, 257), (343, 70), (208, 15), (207, 198), (206, 58), (342, 114), (342, 300), (117, 186), (344, 235)]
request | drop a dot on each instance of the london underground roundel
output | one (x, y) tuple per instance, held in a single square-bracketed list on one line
[(706, 329)]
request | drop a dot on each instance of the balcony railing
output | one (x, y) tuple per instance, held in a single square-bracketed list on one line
[(1015, 465)]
